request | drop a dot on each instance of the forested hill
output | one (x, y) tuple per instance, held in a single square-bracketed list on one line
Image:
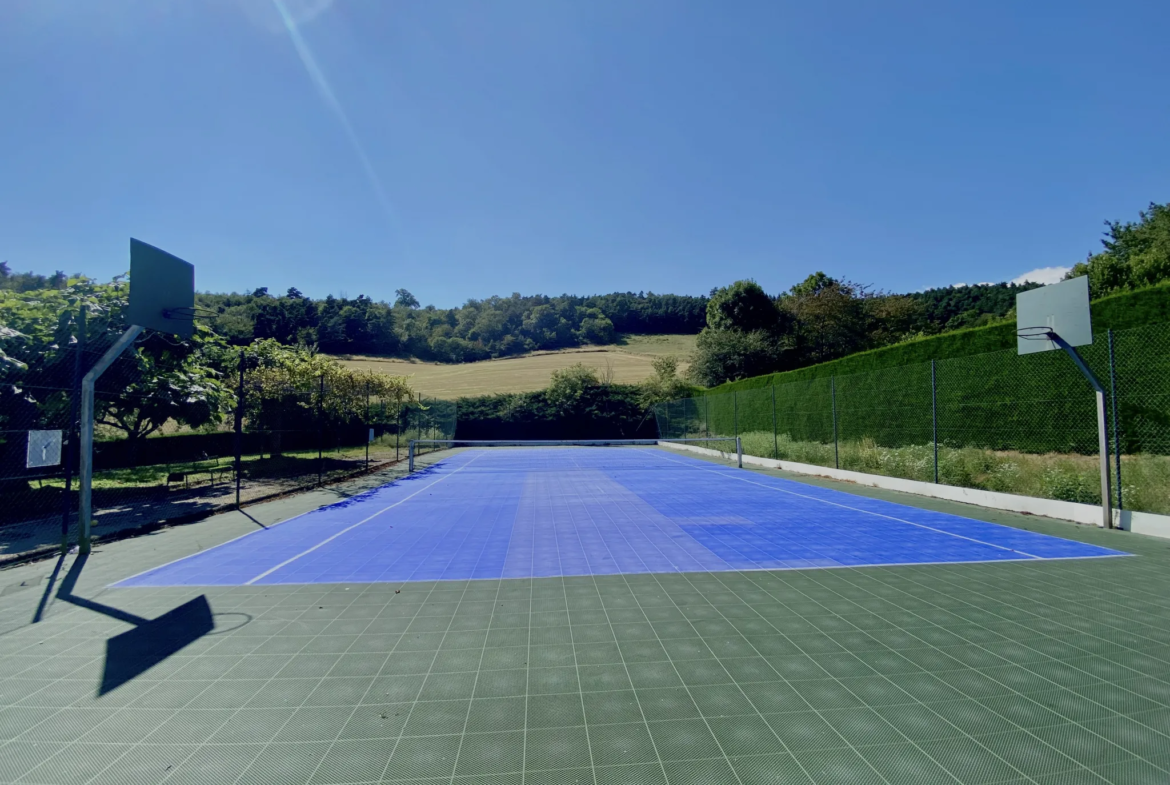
[(477, 330), (498, 326), (955, 307)]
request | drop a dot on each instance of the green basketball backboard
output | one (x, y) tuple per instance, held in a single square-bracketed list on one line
[(162, 290), (1061, 309)]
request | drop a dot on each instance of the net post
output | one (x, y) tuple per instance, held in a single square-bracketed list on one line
[(85, 500), (1116, 432), (739, 451)]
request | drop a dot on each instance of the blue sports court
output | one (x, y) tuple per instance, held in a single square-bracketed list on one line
[(519, 513)]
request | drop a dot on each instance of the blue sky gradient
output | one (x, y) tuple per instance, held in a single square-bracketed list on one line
[(462, 149)]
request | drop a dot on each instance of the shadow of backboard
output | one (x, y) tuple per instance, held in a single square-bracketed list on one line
[(135, 651)]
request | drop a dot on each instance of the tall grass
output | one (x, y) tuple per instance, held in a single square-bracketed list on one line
[(1074, 478)]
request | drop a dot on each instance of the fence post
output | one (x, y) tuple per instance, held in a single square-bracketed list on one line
[(1116, 431), (707, 416), (367, 433), (320, 423), (833, 393), (240, 426), (735, 412), (934, 416), (775, 438), (397, 430), (72, 432)]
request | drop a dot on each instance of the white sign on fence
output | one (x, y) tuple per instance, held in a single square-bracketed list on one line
[(44, 449)]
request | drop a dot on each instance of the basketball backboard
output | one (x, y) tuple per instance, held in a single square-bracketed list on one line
[(1060, 308), (162, 291)]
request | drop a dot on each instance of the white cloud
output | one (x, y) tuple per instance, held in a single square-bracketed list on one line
[(1044, 275)]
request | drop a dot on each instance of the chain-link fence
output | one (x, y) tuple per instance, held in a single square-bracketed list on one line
[(168, 449), (998, 421)]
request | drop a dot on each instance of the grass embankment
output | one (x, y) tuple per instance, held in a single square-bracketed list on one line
[(627, 362), (1074, 478)]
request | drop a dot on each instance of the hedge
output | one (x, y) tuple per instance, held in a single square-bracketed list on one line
[(1117, 312)]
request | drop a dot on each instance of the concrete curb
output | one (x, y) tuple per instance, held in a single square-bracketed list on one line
[(1088, 514)]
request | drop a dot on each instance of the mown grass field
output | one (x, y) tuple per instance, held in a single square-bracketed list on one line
[(627, 362)]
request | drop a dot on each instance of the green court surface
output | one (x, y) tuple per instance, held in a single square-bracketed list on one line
[(1011, 672)]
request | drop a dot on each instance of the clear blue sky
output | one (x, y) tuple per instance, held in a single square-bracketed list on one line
[(462, 149)]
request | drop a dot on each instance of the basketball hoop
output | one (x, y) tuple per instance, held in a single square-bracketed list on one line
[(189, 314), (1042, 333)]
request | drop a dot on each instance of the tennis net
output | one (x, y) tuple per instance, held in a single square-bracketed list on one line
[(730, 448)]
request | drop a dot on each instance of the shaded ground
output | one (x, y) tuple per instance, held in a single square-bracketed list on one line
[(1047, 672), (120, 511)]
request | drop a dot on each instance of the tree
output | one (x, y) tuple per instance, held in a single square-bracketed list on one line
[(159, 379), (742, 306), (1135, 255), (288, 386), (596, 328), (725, 355), (830, 317), (665, 384), (746, 335), (568, 385), (405, 299)]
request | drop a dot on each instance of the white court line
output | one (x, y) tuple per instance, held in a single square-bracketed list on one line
[(858, 509), (220, 545), (328, 540)]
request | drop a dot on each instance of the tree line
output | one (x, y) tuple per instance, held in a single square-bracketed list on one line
[(742, 330), (750, 333), (477, 330)]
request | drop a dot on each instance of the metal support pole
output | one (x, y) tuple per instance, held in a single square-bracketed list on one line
[(320, 424), (85, 502), (775, 437), (1102, 430), (397, 430), (1116, 430), (833, 393), (71, 433), (934, 416), (739, 452), (240, 425), (367, 433), (410, 456)]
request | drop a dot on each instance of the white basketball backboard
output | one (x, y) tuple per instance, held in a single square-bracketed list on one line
[(1060, 308)]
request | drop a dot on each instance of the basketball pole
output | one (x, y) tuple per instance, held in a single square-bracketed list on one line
[(1102, 432), (85, 491)]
